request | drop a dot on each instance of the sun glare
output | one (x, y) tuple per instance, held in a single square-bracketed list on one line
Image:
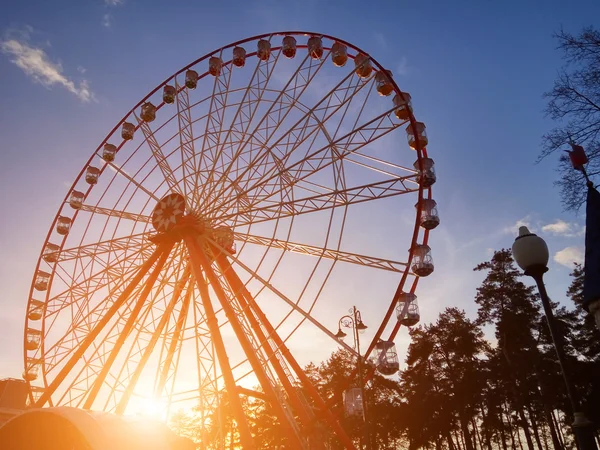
[(154, 408)]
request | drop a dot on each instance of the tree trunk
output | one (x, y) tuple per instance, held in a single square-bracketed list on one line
[(511, 427), (488, 432), (525, 425), (462, 439), (519, 439), (449, 440), (556, 443), (502, 435), (534, 427), (558, 428), (464, 427), (476, 433)]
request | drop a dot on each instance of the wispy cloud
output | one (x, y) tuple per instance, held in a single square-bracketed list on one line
[(568, 256), (562, 228), (402, 68), (107, 20), (380, 40), (38, 66), (526, 221)]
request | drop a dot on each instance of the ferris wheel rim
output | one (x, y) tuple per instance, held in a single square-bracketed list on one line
[(412, 121)]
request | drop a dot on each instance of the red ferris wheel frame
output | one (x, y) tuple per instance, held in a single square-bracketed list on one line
[(246, 298)]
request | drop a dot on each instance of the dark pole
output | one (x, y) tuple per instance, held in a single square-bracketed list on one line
[(366, 432), (582, 428)]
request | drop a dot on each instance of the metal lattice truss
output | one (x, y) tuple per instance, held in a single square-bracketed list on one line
[(291, 169)]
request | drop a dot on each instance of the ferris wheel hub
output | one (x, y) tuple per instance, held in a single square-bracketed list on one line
[(168, 212), (171, 221)]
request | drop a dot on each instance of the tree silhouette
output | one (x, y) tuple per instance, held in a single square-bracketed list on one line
[(574, 103), (458, 390)]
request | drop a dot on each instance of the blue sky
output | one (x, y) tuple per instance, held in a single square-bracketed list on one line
[(476, 71)]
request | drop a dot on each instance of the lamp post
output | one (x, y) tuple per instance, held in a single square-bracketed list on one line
[(354, 321), (531, 254)]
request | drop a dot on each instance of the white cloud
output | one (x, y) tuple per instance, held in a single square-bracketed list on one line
[(107, 20), (37, 65), (81, 69), (523, 222), (568, 256), (558, 227), (562, 228), (113, 2)]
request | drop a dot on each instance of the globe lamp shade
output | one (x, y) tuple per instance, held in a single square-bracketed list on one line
[(530, 251)]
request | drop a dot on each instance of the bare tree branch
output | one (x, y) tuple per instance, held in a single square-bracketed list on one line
[(574, 104)]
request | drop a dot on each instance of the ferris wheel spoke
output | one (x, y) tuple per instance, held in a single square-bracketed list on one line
[(117, 169), (75, 335), (99, 381), (159, 156), (186, 139), (381, 162), (220, 349), (289, 302), (242, 118), (175, 339), (91, 336), (212, 132), (115, 213), (245, 335), (336, 255), (93, 362), (273, 355), (84, 320), (149, 348), (339, 149), (134, 242), (111, 272), (374, 169), (323, 157), (208, 389), (276, 114), (334, 199), (338, 99), (152, 314), (227, 268)]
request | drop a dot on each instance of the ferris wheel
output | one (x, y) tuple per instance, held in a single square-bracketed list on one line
[(212, 232)]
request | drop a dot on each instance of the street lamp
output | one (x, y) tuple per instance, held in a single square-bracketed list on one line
[(531, 254), (354, 321)]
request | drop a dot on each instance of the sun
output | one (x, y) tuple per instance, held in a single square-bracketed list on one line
[(149, 407)]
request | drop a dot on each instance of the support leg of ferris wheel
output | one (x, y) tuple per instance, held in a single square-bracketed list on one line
[(213, 326), (320, 403), (175, 340), (256, 364), (122, 405), (81, 349), (131, 320), (284, 378)]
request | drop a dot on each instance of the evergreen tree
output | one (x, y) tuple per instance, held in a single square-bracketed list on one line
[(586, 344), (443, 382), (511, 307)]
